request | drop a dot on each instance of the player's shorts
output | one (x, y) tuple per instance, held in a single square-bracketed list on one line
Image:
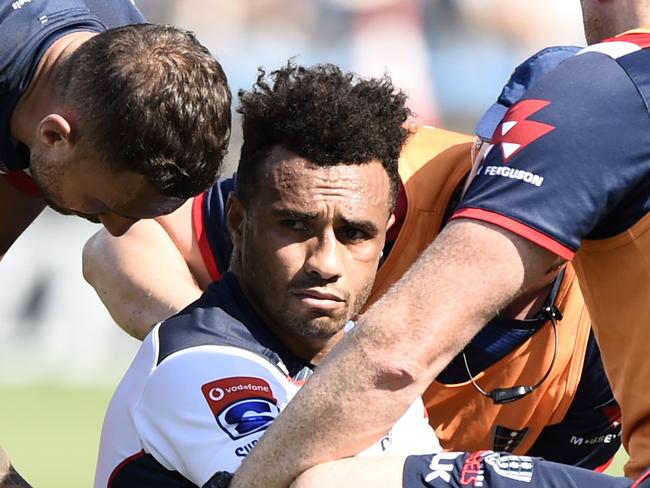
[(489, 469)]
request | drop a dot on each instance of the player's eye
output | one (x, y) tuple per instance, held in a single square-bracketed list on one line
[(352, 234), (292, 224)]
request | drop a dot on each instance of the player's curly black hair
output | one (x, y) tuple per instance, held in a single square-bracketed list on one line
[(323, 115)]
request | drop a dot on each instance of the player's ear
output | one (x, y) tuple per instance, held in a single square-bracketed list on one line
[(55, 132), (235, 216)]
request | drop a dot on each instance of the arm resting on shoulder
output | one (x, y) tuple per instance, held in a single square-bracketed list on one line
[(17, 211), (375, 471), (149, 273), (467, 274)]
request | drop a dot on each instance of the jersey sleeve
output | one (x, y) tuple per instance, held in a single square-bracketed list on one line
[(209, 219), (28, 28), (570, 160), (411, 434), (204, 408)]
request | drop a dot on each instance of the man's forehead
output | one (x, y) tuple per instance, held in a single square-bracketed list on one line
[(299, 183), (295, 172)]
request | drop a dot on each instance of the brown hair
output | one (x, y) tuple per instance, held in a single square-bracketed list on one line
[(150, 99)]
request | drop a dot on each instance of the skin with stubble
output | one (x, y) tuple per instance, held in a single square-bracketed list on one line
[(91, 189), (308, 245)]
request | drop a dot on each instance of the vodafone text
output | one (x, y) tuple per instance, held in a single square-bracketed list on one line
[(218, 393)]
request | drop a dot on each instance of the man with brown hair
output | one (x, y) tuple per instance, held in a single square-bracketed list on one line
[(102, 116), (111, 123)]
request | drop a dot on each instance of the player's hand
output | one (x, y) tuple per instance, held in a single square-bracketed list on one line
[(221, 479)]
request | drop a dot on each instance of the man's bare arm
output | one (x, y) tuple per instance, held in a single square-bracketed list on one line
[(17, 211), (9, 477), (375, 471), (148, 274), (398, 347)]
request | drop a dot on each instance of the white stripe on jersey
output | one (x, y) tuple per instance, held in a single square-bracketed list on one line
[(613, 49)]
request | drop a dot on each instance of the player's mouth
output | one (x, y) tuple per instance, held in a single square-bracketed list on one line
[(316, 299)]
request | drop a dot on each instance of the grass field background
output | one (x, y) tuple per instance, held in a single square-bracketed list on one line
[(52, 433)]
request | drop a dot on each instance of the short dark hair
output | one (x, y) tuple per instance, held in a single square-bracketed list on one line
[(150, 99), (323, 115)]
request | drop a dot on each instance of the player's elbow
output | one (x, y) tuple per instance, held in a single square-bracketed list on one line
[(311, 479), (394, 374), (91, 258)]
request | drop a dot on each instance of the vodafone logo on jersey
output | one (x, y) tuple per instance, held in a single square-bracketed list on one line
[(241, 405), (516, 131)]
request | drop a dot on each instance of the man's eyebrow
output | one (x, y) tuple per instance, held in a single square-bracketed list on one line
[(288, 213), (365, 225)]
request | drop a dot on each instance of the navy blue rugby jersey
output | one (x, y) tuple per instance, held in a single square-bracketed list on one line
[(571, 160), (27, 29), (209, 219)]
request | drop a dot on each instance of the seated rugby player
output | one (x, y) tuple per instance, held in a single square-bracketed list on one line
[(317, 184)]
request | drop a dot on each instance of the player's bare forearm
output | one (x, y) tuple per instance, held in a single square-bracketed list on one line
[(9, 477), (398, 347), (378, 472), (141, 277)]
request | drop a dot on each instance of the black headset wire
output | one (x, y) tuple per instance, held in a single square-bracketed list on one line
[(514, 393)]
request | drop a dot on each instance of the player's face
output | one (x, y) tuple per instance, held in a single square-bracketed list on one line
[(90, 190), (309, 244)]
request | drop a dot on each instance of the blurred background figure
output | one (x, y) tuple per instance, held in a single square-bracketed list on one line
[(60, 353)]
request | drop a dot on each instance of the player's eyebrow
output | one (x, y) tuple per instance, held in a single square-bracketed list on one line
[(365, 225), (288, 213)]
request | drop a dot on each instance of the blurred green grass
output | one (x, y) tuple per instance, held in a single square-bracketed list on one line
[(616, 468), (51, 433)]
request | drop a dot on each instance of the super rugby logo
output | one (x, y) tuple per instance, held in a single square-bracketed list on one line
[(515, 131), (241, 405)]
